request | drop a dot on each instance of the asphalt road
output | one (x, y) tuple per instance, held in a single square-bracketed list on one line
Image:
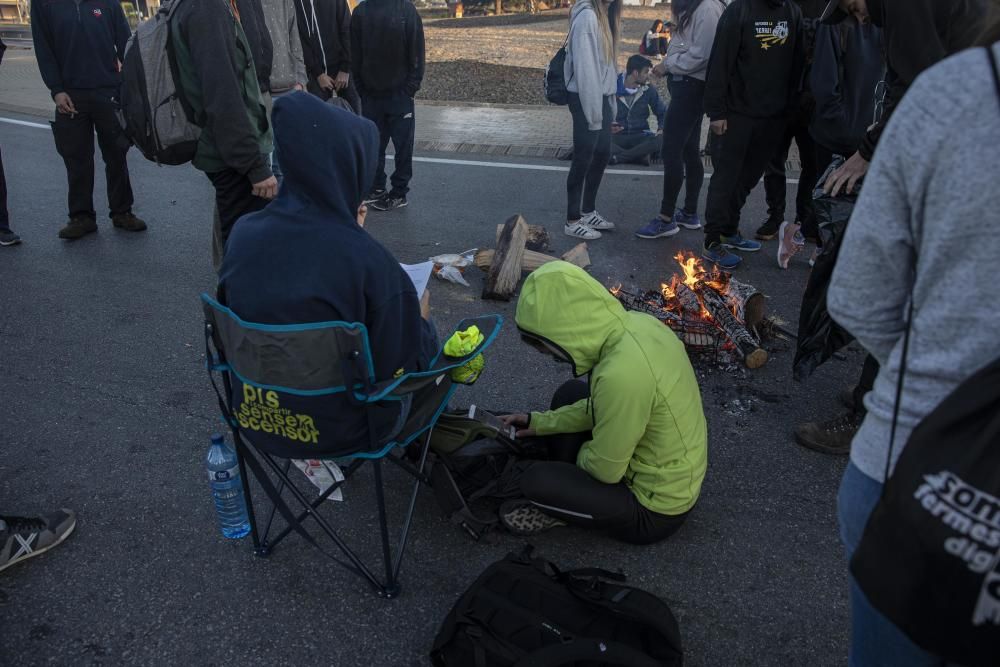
[(106, 409)]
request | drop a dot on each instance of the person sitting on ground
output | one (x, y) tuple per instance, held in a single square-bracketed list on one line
[(631, 138), (307, 258), (628, 451), (656, 39)]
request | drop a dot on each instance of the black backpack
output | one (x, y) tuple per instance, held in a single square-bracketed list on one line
[(524, 612), (555, 79)]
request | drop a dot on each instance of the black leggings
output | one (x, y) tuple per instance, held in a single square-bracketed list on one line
[(591, 152), (566, 491), (681, 144)]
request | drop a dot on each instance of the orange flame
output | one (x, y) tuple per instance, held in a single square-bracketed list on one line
[(692, 267), (667, 291)]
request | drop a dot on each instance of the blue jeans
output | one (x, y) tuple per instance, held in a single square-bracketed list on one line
[(875, 641)]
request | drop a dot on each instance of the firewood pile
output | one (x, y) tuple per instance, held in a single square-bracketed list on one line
[(710, 311)]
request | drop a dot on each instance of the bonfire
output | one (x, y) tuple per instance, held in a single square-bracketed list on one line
[(709, 310)]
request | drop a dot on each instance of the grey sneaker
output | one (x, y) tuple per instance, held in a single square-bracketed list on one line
[(9, 238), (24, 537), (522, 517), (595, 221)]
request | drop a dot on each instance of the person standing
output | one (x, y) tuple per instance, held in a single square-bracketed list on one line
[(591, 79), (7, 236), (917, 234), (79, 45), (325, 31), (753, 81), (387, 60), (217, 77), (288, 69), (685, 67)]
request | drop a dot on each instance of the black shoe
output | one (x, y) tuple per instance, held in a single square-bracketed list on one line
[(769, 230), (9, 238), (846, 397), (77, 228), (128, 222), (375, 195), (389, 203), (830, 437)]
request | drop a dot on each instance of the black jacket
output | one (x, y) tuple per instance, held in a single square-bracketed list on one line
[(325, 31), (79, 43), (918, 34), (847, 67), (259, 39), (757, 60), (387, 48)]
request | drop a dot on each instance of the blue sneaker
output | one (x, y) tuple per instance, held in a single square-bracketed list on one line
[(657, 228), (687, 220), (739, 243), (718, 255)]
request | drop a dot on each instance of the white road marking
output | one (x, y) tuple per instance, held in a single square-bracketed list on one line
[(462, 163)]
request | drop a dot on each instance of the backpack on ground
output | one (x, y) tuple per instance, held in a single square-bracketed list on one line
[(155, 116), (524, 612)]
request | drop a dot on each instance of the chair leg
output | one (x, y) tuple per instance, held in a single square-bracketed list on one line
[(413, 504), (248, 499), (274, 508), (391, 588)]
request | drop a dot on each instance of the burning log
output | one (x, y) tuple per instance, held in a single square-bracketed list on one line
[(746, 302), (696, 334), (688, 300), (718, 307)]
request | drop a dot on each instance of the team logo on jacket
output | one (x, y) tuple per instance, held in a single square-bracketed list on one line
[(770, 33), (97, 12)]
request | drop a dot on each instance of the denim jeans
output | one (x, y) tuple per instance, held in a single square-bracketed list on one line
[(875, 641)]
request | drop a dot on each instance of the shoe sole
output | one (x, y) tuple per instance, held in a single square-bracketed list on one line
[(687, 225), (765, 237), (738, 249), (403, 205), (526, 521), (587, 237), (672, 232), (76, 238), (7, 244), (815, 447), (38, 552), (782, 250)]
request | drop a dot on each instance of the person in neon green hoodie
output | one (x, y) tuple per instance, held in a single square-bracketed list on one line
[(631, 448)]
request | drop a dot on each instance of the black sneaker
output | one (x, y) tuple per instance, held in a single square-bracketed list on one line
[(9, 238), (768, 231), (389, 203), (128, 221), (830, 437), (375, 195), (24, 537), (77, 228), (522, 517)]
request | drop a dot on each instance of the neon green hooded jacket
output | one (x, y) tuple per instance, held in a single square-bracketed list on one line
[(645, 407)]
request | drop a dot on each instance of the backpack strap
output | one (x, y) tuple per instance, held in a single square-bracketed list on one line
[(991, 56), (598, 650)]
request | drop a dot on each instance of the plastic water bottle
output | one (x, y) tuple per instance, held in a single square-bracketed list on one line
[(227, 489)]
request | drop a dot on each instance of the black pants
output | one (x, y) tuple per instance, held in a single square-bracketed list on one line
[(350, 93), (633, 147), (865, 384), (4, 215), (394, 117), (591, 152), (681, 136), (74, 137), (234, 198), (774, 176), (564, 490), (739, 160)]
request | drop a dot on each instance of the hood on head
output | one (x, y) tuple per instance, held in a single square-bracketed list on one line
[(563, 305), (328, 155)]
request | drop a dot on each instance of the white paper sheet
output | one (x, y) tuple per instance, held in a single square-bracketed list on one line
[(420, 274)]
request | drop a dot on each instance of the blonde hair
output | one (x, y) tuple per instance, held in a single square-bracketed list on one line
[(608, 31)]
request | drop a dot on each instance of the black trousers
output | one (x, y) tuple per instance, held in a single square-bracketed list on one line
[(633, 147), (591, 152), (4, 215), (774, 176), (564, 490), (234, 198), (74, 137), (865, 384), (739, 160), (681, 136), (350, 93), (394, 117)]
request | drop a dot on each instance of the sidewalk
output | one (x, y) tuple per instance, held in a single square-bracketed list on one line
[(496, 130)]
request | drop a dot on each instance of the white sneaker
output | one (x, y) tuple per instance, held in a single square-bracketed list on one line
[(579, 230), (595, 221)]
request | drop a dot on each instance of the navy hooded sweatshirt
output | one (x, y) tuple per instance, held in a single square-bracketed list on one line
[(305, 259)]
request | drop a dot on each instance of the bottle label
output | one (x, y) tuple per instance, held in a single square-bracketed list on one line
[(223, 475)]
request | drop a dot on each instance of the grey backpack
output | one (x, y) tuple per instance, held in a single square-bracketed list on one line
[(155, 115)]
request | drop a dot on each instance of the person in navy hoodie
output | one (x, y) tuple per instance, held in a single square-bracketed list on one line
[(306, 257), (80, 45)]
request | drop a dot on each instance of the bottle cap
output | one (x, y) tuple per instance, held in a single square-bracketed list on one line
[(218, 439)]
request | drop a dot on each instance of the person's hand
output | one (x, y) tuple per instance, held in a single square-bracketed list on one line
[(362, 214), (64, 104), (520, 422), (616, 128), (341, 81), (719, 127), (660, 70), (266, 189), (325, 82), (298, 87), (847, 176), (659, 132), (425, 305)]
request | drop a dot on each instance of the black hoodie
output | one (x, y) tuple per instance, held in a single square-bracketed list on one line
[(305, 259), (325, 31), (757, 60), (918, 34), (259, 39), (387, 48)]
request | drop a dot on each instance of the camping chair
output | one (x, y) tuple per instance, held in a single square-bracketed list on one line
[(288, 390)]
